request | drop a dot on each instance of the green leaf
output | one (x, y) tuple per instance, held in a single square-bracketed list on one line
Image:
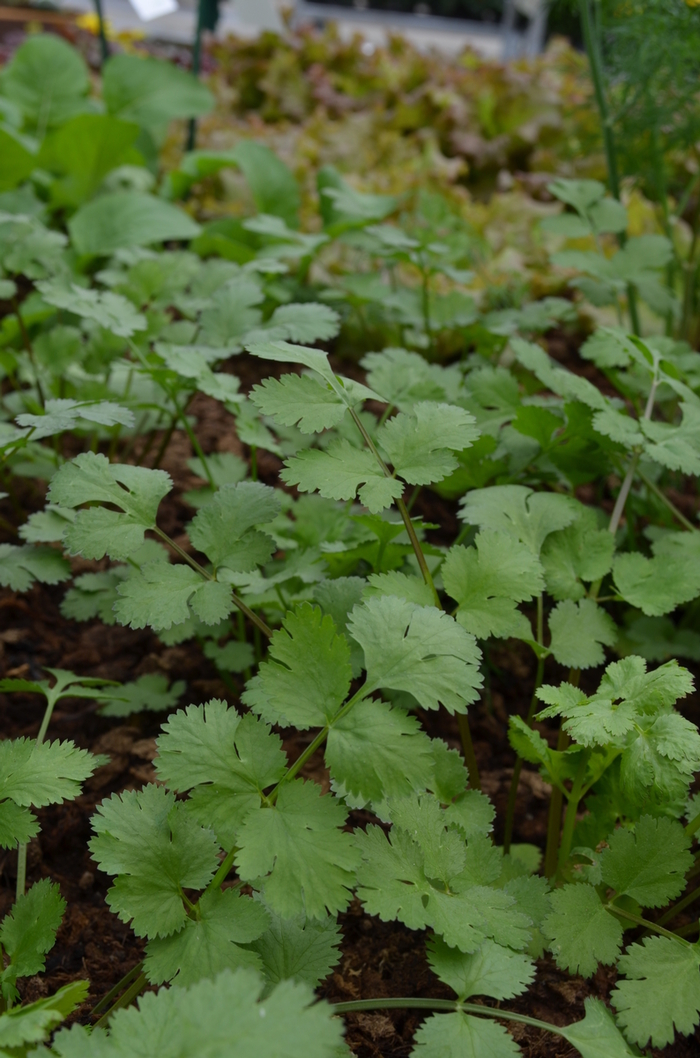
[(557, 379), (305, 322), (213, 1018), (675, 447), (16, 825), (656, 585), (580, 931), (66, 414), (156, 849), (662, 991), (341, 473), (307, 675), (411, 589), (418, 649), (83, 151), (420, 443), (297, 852), (581, 552), (274, 187), (160, 596), (650, 864), (597, 1035), (111, 311), (405, 378), (210, 943), (32, 1023), (47, 79), (136, 491), (376, 752), (20, 567), (28, 932), (491, 971), (17, 164), (299, 400), (224, 531), (42, 773), (579, 630), (223, 759), (120, 219), (298, 949), (149, 692), (514, 509), (608, 347), (231, 313), (487, 580), (152, 92), (463, 1036)]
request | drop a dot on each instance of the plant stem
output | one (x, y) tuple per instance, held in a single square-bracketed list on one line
[(554, 820), (639, 921), (197, 448), (693, 826), (114, 992), (191, 140), (676, 909), (671, 506), (222, 873), (26, 341), (518, 767), (257, 621), (468, 750), (52, 697), (104, 46), (445, 1005), (572, 809), (130, 994)]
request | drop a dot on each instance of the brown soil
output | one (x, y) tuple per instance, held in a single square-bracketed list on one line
[(378, 959)]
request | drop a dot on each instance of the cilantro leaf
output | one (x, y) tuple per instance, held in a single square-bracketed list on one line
[(340, 473), (491, 971), (661, 993), (307, 675), (580, 931), (404, 378), (28, 932), (418, 649), (136, 491), (461, 1035), (420, 443), (298, 949), (65, 414), (412, 589), (656, 585), (223, 529), (297, 852), (211, 942), (650, 864), (597, 1035), (581, 552), (675, 447), (514, 509), (487, 581), (230, 314), (21, 566), (299, 400), (148, 692), (33, 1022), (377, 751), (579, 630), (111, 311), (305, 322), (156, 849), (224, 759)]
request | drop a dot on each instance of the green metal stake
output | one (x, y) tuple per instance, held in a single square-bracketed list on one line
[(207, 18), (104, 46)]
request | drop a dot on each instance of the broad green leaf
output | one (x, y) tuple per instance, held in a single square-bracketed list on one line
[(160, 595), (420, 443), (17, 164), (341, 473), (20, 567), (581, 552), (608, 347), (120, 219), (271, 182), (376, 752), (156, 849), (296, 851), (404, 378), (461, 1035), (418, 649), (514, 509), (44, 773), (581, 933), (231, 314), (66, 414), (111, 311), (307, 675), (412, 589), (47, 79), (597, 1035), (305, 322), (33, 1022), (675, 447), (286, 353), (223, 759), (299, 400), (224, 531), (650, 864), (579, 631), (149, 692), (210, 943), (491, 971), (583, 195), (226, 1016), (82, 151), (557, 379), (488, 579), (661, 995), (136, 491), (16, 825), (152, 92), (28, 932), (656, 585), (298, 949)]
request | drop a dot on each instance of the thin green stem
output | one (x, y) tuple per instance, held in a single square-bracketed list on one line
[(52, 697), (26, 341), (693, 826), (639, 921), (104, 46), (517, 769), (445, 1005), (114, 992), (572, 809), (131, 993), (556, 805), (196, 447), (191, 140), (223, 871), (468, 750), (676, 909), (653, 487)]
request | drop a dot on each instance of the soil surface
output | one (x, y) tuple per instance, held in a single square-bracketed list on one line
[(378, 959)]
